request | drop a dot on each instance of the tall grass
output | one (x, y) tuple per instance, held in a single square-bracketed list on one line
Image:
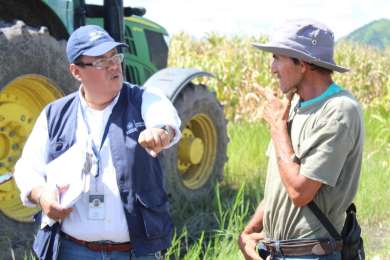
[(374, 193), (246, 152), (239, 194), (209, 229)]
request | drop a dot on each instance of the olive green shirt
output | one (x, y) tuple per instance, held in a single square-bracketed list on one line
[(327, 136)]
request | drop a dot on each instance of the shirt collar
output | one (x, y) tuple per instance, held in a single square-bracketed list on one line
[(106, 109), (330, 91)]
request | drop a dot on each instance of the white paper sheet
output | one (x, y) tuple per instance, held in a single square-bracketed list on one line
[(67, 170)]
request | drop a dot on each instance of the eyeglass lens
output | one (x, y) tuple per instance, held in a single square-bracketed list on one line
[(104, 63)]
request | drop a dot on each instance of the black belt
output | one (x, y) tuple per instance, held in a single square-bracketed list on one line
[(303, 247), (100, 246)]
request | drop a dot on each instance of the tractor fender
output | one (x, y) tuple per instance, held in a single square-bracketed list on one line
[(171, 81)]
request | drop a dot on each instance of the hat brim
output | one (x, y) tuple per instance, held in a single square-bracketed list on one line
[(103, 48), (286, 51)]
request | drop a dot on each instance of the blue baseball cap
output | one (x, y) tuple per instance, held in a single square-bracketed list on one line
[(90, 40)]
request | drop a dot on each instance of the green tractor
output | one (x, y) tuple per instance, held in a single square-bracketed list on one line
[(34, 72)]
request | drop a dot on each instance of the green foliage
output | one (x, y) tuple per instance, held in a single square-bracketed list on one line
[(376, 168), (239, 70), (217, 242), (235, 64), (374, 34), (249, 141), (368, 79), (210, 229)]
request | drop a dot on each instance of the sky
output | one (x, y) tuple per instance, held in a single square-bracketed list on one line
[(258, 17)]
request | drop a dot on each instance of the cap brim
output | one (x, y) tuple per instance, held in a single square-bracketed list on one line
[(280, 50), (103, 48)]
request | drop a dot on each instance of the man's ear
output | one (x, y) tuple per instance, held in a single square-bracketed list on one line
[(75, 71), (304, 66)]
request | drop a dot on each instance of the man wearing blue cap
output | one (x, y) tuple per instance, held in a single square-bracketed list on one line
[(315, 153), (121, 209)]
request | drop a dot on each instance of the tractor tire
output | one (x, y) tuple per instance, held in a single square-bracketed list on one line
[(33, 72), (25, 50), (196, 163)]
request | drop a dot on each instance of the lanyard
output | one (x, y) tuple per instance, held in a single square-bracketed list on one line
[(95, 150)]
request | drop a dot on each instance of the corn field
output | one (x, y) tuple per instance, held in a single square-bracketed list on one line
[(239, 69)]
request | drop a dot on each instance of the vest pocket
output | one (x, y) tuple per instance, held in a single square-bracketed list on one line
[(154, 211)]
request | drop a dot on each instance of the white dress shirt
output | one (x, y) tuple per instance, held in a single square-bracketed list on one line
[(156, 111)]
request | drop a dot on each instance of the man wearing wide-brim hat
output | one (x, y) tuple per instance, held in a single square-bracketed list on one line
[(316, 148)]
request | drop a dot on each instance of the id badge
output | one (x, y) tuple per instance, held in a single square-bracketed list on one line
[(96, 209)]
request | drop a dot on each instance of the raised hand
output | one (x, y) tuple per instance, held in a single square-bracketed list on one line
[(276, 110), (154, 140)]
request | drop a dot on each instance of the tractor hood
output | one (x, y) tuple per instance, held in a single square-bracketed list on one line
[(144, 23)]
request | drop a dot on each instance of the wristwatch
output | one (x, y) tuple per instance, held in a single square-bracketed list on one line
[(170, 131)]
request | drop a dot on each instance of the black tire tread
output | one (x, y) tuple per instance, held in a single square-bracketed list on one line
[(27, 50), (194, 99)]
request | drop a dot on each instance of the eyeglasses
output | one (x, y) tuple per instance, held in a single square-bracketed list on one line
[(102, 64)]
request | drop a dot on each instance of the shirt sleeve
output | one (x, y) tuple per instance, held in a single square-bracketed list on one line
[(157, 111), (325, 152), (30, 168)]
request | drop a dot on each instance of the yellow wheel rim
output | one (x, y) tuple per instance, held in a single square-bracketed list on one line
[(21, 101), (197, 151)]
